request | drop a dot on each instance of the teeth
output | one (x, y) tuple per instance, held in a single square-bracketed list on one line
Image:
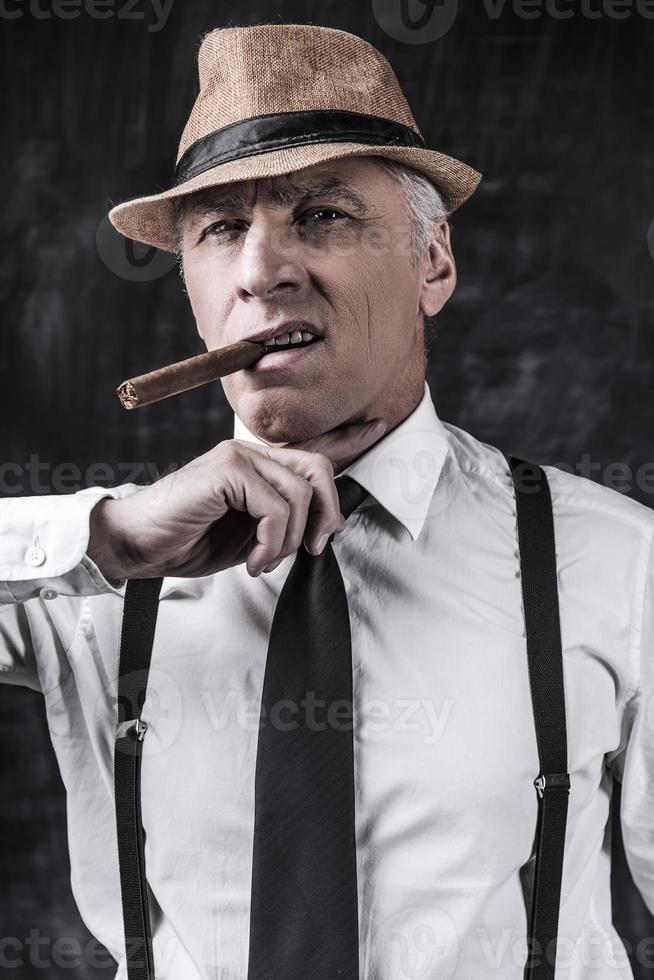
[(296, 337)]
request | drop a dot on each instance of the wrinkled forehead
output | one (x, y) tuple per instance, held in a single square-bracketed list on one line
[(285, 191)]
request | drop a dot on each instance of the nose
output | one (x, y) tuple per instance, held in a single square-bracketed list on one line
[(269, 263)]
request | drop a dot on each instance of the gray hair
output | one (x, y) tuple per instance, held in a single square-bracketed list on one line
[(424, 202), (425, 205)]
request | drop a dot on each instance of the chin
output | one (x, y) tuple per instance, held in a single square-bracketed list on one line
[(276, 418)]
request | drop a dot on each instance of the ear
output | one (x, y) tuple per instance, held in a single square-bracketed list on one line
[(439, 272)]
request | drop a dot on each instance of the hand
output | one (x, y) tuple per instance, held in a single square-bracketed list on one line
[(239, 502)]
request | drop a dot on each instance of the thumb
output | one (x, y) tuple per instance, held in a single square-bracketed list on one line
[(344, 444)]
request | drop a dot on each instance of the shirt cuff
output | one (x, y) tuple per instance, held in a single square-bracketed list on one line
[(43, 542)]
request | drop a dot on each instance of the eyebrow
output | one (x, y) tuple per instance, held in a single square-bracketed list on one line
[(283, 196)]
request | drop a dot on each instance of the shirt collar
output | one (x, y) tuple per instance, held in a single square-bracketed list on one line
[(400, 471)]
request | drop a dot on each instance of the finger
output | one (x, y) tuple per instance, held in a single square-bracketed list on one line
[(343, 445), (254, 494), (297, 491), (324, 516)]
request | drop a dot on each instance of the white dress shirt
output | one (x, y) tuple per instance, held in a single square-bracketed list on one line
[(445, 748)]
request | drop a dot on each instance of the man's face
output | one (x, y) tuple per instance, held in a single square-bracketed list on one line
[(330, 246)]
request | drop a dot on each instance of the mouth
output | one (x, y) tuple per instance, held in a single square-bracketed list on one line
[(291, 335), (284, 344)]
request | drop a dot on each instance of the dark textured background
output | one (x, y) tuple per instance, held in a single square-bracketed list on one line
[(546, 349)]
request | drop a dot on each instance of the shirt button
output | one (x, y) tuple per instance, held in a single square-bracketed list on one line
[(35, 556), (49, 593)]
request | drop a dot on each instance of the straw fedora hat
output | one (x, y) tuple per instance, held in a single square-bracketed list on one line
[(275, 98)]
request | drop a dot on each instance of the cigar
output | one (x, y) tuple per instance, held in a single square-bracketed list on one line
[(191, 373)]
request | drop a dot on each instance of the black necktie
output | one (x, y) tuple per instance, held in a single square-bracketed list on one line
[(304, 915)]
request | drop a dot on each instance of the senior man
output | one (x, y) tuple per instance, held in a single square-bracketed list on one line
[(329, 769)]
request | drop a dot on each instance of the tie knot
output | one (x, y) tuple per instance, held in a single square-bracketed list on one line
[(350, 495)]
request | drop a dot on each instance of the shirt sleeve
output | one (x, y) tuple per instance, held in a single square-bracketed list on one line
[(43, 542), (633, 764)]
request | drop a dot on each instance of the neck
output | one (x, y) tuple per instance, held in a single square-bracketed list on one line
[(396, 405), (402, 395)]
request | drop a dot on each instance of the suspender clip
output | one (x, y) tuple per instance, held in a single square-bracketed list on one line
[(552, 780), (140, 728), (135, 729)]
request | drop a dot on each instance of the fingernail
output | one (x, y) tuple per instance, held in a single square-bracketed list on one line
[(338, 529), (321, 542), (273, 566)]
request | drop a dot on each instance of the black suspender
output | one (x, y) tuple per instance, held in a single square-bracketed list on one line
[(544, 654), (545, 658), (139, 620)]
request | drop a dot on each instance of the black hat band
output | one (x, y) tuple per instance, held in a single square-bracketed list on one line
[(281, 130)]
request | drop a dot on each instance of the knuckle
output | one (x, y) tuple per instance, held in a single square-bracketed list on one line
[(229, 452), (303, 491), (321, 465), (280, 510), (325, 462)]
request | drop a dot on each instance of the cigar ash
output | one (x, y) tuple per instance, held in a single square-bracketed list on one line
[(127, 394)]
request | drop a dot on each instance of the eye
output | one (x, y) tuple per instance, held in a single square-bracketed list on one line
[(321, 216), (223, 227)]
